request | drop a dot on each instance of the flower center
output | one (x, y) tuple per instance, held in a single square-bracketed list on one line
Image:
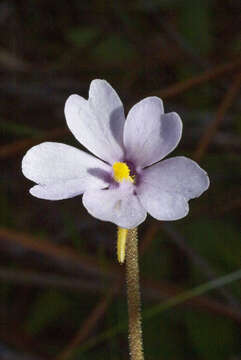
[(122, 172)]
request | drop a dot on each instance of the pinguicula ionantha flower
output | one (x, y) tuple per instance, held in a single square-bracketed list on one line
[(125, 178)]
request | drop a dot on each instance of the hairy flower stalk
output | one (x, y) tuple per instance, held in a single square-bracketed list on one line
[(133, 296)]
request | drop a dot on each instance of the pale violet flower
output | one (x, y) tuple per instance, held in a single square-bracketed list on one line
[(124, 179)]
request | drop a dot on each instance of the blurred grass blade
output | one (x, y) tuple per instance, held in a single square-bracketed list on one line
[(155, 310), (18, 129), (197, 16), (187, 295), (82, 36), (48, 307)]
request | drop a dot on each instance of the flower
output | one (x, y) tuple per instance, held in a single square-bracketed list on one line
[(126, 178)]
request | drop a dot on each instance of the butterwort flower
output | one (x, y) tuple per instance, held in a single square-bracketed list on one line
[(126, 177)]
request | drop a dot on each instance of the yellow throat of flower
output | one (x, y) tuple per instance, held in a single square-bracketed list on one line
[(121, 172)]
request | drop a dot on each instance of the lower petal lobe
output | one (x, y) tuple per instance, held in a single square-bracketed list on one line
[(116, 205)]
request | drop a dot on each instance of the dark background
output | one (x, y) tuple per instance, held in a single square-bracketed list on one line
[(60, 284)]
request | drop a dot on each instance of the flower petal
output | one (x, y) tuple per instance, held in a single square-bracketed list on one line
[(123, 208), (166, 187), (60, 165), (58, 191), (149, 134), (98, 123), (163, 205)]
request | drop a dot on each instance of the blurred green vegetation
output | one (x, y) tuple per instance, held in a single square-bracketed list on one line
[(49, 50)]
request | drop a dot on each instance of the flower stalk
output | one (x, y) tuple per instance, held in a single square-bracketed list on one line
[(133, 296)]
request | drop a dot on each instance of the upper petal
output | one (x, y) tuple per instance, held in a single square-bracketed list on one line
[(116, 205), (98, 123), (166, 187), (60, 165), (149, 134)]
